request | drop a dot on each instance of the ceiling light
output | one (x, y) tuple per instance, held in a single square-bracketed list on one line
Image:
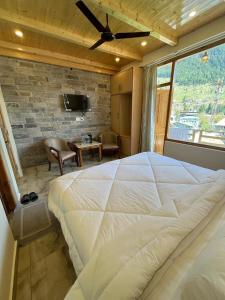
[(117, 59), (20, 49), (192, 13), (144, 43), (18, 33)]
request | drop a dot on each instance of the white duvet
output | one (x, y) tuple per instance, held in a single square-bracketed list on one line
[(123, 219)]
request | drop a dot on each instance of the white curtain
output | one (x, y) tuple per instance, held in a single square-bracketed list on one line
[(148, 108)]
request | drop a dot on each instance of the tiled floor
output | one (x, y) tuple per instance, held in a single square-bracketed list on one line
[(45, 270)]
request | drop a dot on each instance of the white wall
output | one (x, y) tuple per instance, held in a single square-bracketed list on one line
[(7, 257), (204, 157)]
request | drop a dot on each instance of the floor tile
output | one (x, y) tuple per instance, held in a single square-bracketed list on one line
[(49, 274), (23, 258), (59, 282), (39, 288), (46, 245), (23, 290)]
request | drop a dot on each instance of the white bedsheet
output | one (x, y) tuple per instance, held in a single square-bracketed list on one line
[(109, 212)]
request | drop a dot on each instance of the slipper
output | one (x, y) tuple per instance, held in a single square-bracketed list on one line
[(25, 199), (33, 196)]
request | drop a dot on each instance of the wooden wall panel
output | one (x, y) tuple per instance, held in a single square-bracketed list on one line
[(137, 99), (162, 107)]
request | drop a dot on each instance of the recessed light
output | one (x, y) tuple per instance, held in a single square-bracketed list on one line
[(117, 59), (18, 33), (20, 49), (192, 13), (144, 43)]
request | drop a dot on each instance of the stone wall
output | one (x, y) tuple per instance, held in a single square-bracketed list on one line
[(33, 93)]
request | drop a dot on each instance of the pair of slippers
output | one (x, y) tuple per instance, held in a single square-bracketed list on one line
[(29, 197)]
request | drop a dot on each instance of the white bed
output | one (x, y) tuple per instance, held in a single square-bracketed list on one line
[(124, 219)]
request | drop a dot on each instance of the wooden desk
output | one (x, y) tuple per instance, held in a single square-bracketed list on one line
[(83, 147)]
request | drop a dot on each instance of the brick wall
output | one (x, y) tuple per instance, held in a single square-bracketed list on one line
[(33, 93)]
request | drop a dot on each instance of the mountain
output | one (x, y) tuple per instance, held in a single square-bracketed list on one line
[(192, 71)]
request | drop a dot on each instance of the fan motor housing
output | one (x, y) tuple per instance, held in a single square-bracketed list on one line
[(107, 36)]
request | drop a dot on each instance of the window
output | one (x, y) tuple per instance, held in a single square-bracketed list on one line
[(198, 98), (164, 74)]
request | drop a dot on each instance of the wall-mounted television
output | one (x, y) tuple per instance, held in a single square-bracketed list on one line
[(77, 103)]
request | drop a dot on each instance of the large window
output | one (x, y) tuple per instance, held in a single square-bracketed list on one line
[(198, 98)]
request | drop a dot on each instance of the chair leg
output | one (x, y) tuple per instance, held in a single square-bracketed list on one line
[(119, 153), (61, 167), (49, 165), (77, 160)]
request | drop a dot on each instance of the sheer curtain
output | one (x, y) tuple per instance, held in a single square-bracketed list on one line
[(148, 108)]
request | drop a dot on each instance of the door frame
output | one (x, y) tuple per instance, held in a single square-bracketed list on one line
[(12, 150)]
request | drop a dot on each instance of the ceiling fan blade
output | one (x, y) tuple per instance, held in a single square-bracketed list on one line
[(128, 35), (91, 17), (98, 43)]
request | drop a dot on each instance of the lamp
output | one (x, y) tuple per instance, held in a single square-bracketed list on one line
[(205, 57)]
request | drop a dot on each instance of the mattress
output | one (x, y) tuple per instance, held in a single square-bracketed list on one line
[(146, 203)]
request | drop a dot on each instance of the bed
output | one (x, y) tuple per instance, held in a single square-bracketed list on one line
[(125, 220)]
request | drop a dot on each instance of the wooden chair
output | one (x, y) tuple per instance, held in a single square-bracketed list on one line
[(110, 142), (58, 150)]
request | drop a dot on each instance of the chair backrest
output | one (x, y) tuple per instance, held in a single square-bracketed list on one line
[(56, 143), (108, 137)]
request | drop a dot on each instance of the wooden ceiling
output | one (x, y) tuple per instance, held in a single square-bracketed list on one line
[(55, 31)]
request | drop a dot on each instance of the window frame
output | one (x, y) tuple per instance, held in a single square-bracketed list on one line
[(171, 85)]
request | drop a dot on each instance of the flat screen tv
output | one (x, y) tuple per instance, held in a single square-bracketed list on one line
[(77, 103)]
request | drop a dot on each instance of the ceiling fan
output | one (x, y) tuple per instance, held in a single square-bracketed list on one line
[(106, 33)]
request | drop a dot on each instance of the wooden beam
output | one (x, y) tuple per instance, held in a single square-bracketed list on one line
[(124, 14), (52, 60), (76, 60), (62, 34)]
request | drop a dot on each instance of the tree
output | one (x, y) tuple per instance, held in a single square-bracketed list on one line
[(204, 122)]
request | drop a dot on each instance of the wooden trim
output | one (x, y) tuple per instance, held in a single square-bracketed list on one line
[(170, 100), (195, 144), (68, 36), (9, 138), (74, 59), (189, 53), (164, 84), (53, 61), (5, 189), (173, 61), (14, 271), (126, 15)]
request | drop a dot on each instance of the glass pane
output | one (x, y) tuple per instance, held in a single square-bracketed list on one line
[(198, 102), (164, 73)]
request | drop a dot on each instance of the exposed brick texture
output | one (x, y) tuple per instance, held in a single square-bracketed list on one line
[(33, 93)]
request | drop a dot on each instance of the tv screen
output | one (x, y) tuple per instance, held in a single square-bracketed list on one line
[(76, 103)]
